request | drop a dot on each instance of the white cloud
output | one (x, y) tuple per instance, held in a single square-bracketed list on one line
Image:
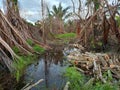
[(30, 15)]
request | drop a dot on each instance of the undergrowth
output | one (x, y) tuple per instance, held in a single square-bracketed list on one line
[(21, 64), (78, 81), (36, 47), (39, 49), (66, 36), (25, 60)]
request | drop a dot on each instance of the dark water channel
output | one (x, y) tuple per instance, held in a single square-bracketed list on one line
[(49, 67)]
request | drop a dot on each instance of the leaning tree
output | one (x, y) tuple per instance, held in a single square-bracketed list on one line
[(14, 32)]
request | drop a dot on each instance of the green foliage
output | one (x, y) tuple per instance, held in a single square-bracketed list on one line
[(75, 78), (36, 47), (59, 12), (16, 49), (109, 75), (118, 20), (92, 45), (78, 81), (94, 2), (39, 49), (66, 36), (21, 64), (30, 42), (23, 60), (15, 1), (106, 86)]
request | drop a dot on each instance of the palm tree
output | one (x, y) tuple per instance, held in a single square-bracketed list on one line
[(13, 4), (60, 14), (43, 13), (94, 2)]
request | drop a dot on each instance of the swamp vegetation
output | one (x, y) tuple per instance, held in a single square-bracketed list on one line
[(70, 48)]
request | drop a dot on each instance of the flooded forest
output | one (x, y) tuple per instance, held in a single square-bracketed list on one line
[(73, 45)]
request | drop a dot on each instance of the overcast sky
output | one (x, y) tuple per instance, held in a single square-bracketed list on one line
[(31, 9)]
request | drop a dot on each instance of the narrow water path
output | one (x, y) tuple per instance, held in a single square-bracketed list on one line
[(49, 67)]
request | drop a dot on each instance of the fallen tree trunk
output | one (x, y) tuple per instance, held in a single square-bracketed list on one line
[(14, 32)]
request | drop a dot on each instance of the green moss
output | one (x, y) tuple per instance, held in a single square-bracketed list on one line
[(66, 36), (39, 49)]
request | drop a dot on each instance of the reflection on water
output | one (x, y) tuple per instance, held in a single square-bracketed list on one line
[(50, 67)]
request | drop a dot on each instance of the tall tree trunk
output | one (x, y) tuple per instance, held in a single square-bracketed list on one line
[(43, 22), (73, 6), (79, 8), (13, 5), (106, 28), (95, 20)]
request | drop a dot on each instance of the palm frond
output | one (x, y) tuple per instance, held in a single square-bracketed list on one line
[(67, 16), (55, 10), (49, 12)]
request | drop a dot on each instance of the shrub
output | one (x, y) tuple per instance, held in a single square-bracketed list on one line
[(66, 36), (39, 49)]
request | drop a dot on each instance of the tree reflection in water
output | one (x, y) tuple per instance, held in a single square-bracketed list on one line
[(50, 58), (50, 67)]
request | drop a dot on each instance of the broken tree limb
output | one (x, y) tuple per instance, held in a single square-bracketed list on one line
[(67, 86), (33, 85), (28, 47), (8, 48)]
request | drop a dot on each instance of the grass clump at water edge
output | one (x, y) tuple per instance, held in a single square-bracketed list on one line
[(24, 60), (39, 49), (21, 64), (79, 81), (36, 47)]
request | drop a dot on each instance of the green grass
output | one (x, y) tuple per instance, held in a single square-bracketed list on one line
[(36, 47), (75, 78), (16, 49), (78, 81), (39, 49), (66, 36), (24, 60), (30, 42), (21, 64), (106, 86)]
